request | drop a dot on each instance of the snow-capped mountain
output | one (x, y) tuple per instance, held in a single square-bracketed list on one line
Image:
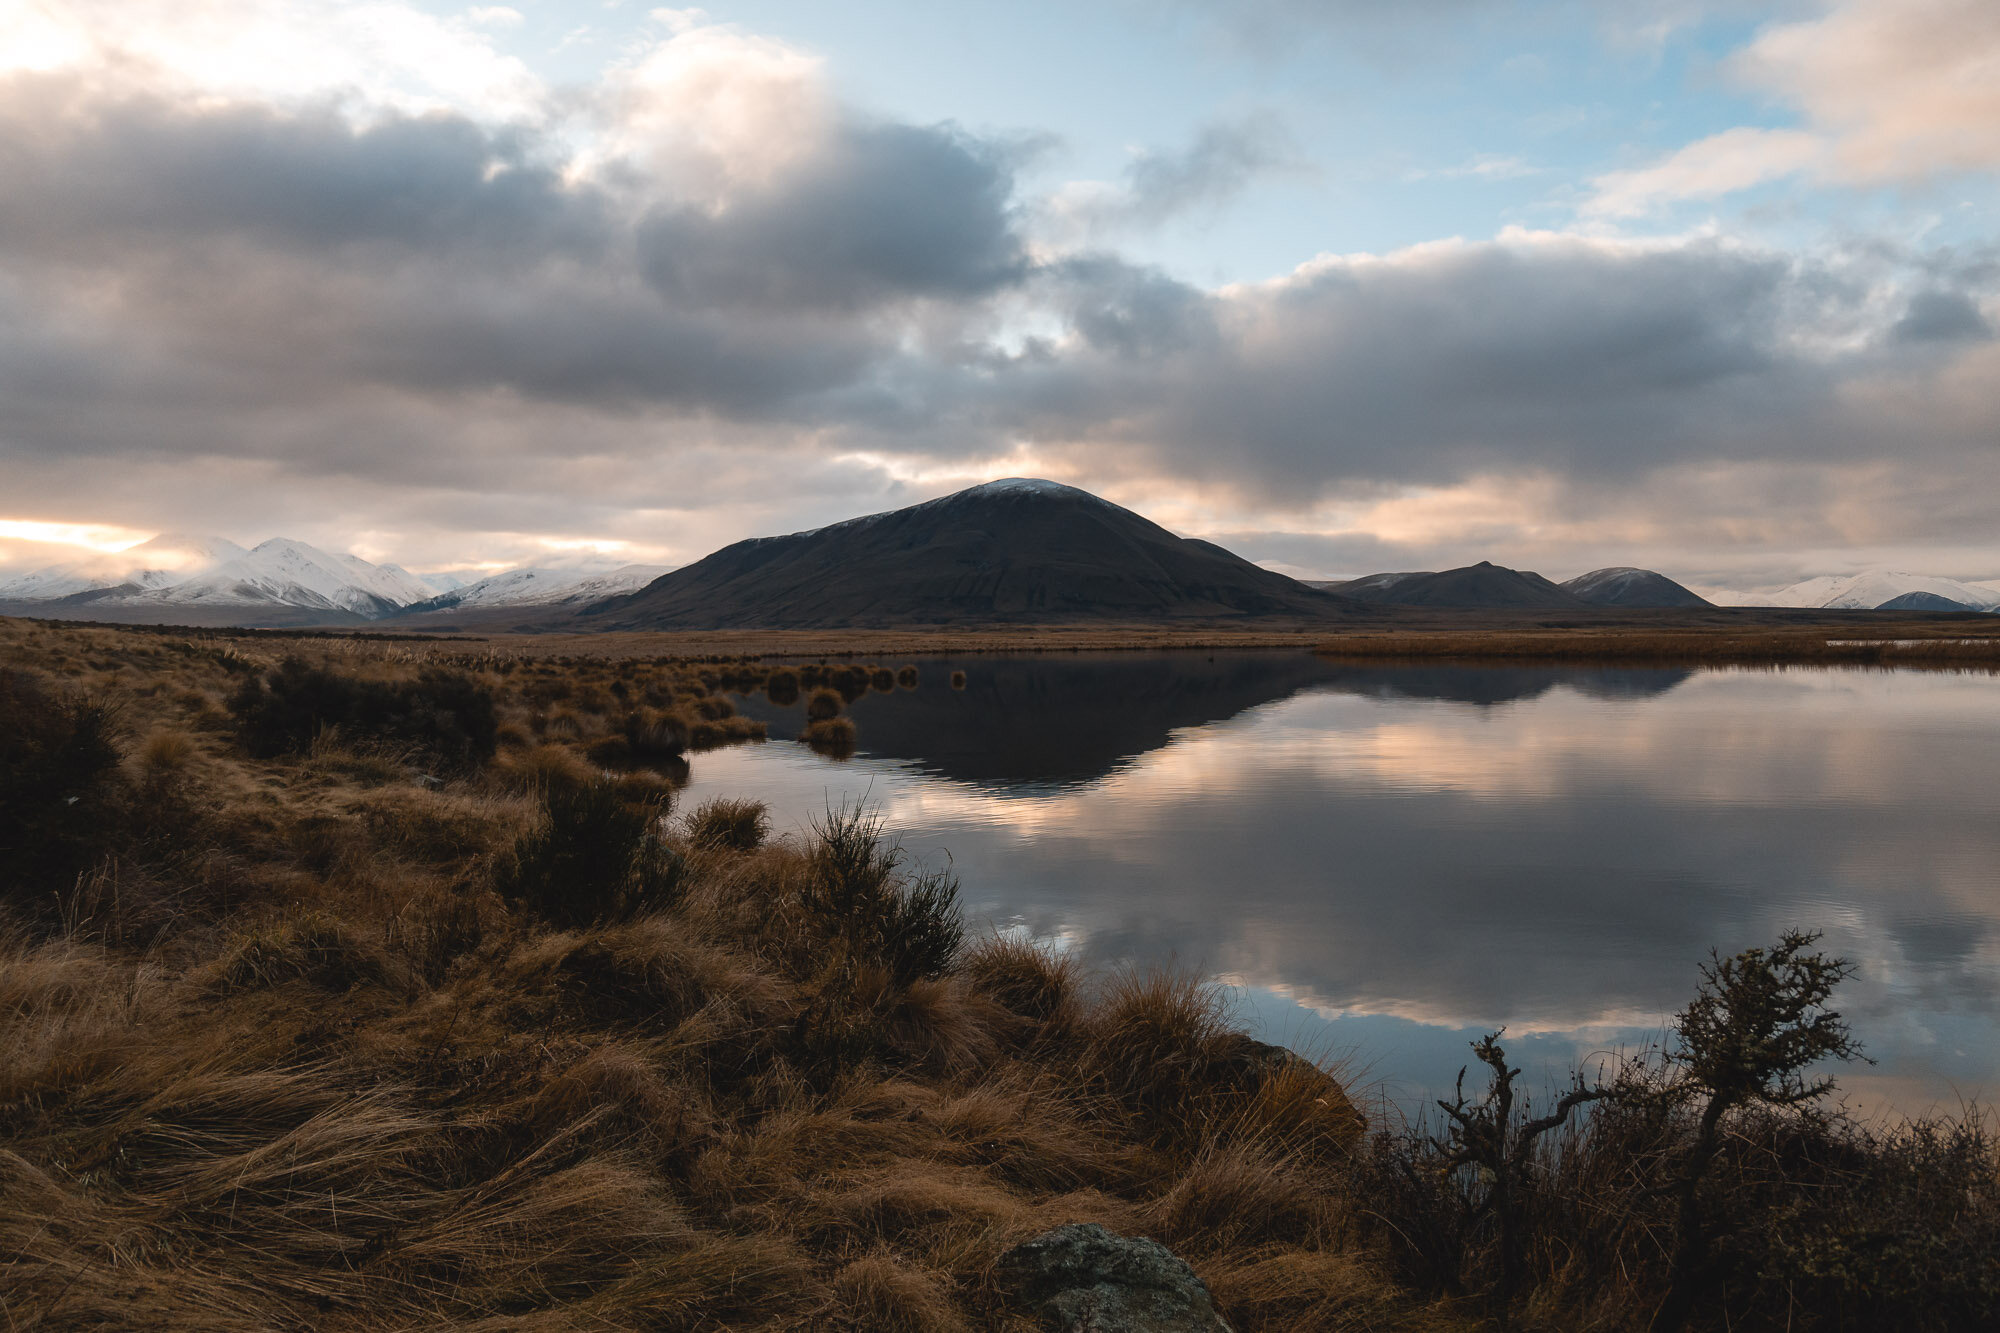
[(282, 572), (543, 587), (1871, 588), (159, 563), (286, 581)]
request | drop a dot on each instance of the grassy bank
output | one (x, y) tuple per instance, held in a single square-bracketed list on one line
[(1975, 646), (380, 985)]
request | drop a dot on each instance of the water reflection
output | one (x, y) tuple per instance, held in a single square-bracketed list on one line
[(1033, 722), (1388, 860)]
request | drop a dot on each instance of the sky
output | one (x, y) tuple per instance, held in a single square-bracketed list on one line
[(1706, 286)]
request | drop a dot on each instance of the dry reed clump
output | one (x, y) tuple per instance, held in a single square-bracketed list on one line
[(165, 751), (834, 737), (781, 687), (315, 948), (542, 769), (737, 825), (877, 1292), (1027, 979)]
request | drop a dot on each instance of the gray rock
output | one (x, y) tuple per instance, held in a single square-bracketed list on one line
[(1091, 1281)]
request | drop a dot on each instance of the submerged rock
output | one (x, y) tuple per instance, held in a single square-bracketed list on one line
[(1088, 1280)]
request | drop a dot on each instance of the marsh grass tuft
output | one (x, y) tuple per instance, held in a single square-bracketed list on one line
[(736, 825)]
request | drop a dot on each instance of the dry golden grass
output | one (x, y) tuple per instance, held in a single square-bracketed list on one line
[(336, 1082), (283, 1056)]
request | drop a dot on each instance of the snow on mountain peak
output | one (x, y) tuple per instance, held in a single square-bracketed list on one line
[(1870, 588)]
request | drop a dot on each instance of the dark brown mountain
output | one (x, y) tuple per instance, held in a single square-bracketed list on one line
[(1008, 552), (1481, 585), (1624, 586)]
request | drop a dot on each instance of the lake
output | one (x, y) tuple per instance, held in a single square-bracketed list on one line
[(1383, 862)]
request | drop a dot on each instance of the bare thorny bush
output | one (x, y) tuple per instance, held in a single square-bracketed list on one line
[(1705, 1183)]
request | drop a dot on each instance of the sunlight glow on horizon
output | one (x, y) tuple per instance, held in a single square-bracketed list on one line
[(104, 538)]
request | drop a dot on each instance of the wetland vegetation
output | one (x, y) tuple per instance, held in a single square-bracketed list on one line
[(358, 984)]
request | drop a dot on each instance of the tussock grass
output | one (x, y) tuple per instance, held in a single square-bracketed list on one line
[(166, 750), (735, 824), (834, 736), (316, 1041)]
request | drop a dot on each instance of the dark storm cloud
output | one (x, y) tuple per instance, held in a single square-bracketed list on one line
[(90, 179), (195, 268), (1529, 352), (1941, 317), (890, 212)]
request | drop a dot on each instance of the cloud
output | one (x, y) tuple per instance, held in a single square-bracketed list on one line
[(883, 212), (1720, 164), (1158, 186), (1482, 166), (703, 297), (1892, 91), (373, 55), (1901, 88)]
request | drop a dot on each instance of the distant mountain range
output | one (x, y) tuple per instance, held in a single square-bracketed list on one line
[(211, 580), (1489, 585), (1021, 551), (1877, 589), (540, 587)]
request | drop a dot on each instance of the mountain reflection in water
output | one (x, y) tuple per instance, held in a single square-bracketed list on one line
[(1037, 721), (1389, 860)]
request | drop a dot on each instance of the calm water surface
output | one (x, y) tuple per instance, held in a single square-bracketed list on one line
[(1384, 862)]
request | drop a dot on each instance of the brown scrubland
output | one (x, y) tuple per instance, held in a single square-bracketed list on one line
[(370, 984)]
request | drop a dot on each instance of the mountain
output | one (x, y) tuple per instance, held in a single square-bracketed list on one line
[(540, 587), (158, 563), (1482, 585), (1624, 586), (1375, 587), (282, 572), (1017, 551), (1926, 601), (1869, 589)]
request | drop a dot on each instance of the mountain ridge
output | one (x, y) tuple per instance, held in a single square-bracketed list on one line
[(1469, 586), (1020, 550)]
